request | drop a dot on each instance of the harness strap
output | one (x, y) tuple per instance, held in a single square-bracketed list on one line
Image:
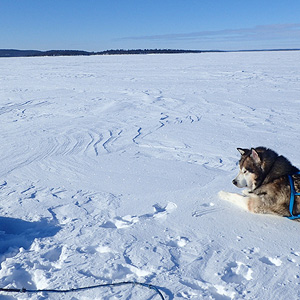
[(292, 198)]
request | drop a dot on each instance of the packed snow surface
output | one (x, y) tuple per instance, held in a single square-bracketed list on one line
[(111, 165)]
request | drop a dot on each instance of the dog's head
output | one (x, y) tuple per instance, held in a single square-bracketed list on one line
[(250, 169)]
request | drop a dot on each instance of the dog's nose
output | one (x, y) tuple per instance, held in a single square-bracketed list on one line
[(234, 182)]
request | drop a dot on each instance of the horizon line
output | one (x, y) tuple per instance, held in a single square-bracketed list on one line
[(36, 53)]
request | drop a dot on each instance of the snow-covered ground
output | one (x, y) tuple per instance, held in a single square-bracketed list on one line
[(111, 165)]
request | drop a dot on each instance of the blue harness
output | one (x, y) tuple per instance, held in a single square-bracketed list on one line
[(292, 198)]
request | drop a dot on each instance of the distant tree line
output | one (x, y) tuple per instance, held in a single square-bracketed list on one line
[(146, 51), (30, 53)]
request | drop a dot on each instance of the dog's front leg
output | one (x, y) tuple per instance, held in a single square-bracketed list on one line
[(237, 199)]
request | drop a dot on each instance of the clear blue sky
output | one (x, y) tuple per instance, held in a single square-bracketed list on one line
[(112, 24)]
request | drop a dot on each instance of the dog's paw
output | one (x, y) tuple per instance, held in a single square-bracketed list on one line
[(247, 192), (224, 195)]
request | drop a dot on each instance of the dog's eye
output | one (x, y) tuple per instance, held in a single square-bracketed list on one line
[(245, 171)]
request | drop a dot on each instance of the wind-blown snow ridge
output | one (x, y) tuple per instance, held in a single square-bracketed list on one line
[(111, 165)]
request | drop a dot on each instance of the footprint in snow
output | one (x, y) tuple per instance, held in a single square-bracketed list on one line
[(180, 241), (208, 208), (3, 184), (128, 221), (160, 212), (271, 261), (119, 222), (236, 272)]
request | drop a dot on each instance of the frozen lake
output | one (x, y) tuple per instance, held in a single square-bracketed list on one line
[(111, 165)]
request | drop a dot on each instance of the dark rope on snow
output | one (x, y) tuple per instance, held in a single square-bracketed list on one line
[(23, 290)]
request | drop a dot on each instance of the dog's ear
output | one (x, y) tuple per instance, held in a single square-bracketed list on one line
[(242, 151), (254, 155)]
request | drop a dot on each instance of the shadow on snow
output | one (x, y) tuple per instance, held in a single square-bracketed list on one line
[(16, 233)]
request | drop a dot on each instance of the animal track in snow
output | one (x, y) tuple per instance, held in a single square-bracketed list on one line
[(271, 261), (53, 255), (295, 253), (180, 241), (128, 221), (160, 212), (119, 222), (95, 249), (250, 251), (3, 184), (236, 272), (208, 208)]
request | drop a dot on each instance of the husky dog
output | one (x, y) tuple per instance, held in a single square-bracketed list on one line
[(268, 178)]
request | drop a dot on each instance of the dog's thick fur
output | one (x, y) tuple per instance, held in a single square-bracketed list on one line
[(265, 175)]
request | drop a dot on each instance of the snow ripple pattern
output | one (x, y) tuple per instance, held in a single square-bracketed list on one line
[(111, 165)]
